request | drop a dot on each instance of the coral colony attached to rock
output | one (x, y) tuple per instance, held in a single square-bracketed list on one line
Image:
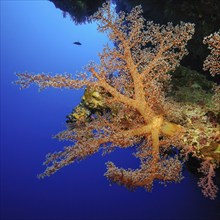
[(126, 104)]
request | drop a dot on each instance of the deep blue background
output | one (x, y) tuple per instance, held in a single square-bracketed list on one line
[(35, 37)]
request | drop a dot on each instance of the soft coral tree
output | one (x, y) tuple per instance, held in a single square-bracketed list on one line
[(131, 76), (212, 62)]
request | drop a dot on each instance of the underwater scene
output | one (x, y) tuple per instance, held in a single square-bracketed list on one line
[(110, 110)]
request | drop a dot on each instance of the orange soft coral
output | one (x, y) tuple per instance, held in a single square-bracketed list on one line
[(131, 76), (212, 62)]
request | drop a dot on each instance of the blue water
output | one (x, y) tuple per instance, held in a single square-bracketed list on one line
[(36, 38)]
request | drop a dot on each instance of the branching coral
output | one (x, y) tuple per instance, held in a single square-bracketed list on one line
[(131, 78), (209, 189), (212, 62)]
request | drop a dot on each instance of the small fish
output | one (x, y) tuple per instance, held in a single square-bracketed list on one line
[(77, 43)]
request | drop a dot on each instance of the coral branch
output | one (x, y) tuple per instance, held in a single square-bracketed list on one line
[(57, 81), (167, 170), (209, 189), (212, 62)]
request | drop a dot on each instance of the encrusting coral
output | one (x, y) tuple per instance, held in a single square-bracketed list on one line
[(130, 80)]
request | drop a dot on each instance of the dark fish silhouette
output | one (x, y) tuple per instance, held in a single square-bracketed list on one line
[(77, 43)]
